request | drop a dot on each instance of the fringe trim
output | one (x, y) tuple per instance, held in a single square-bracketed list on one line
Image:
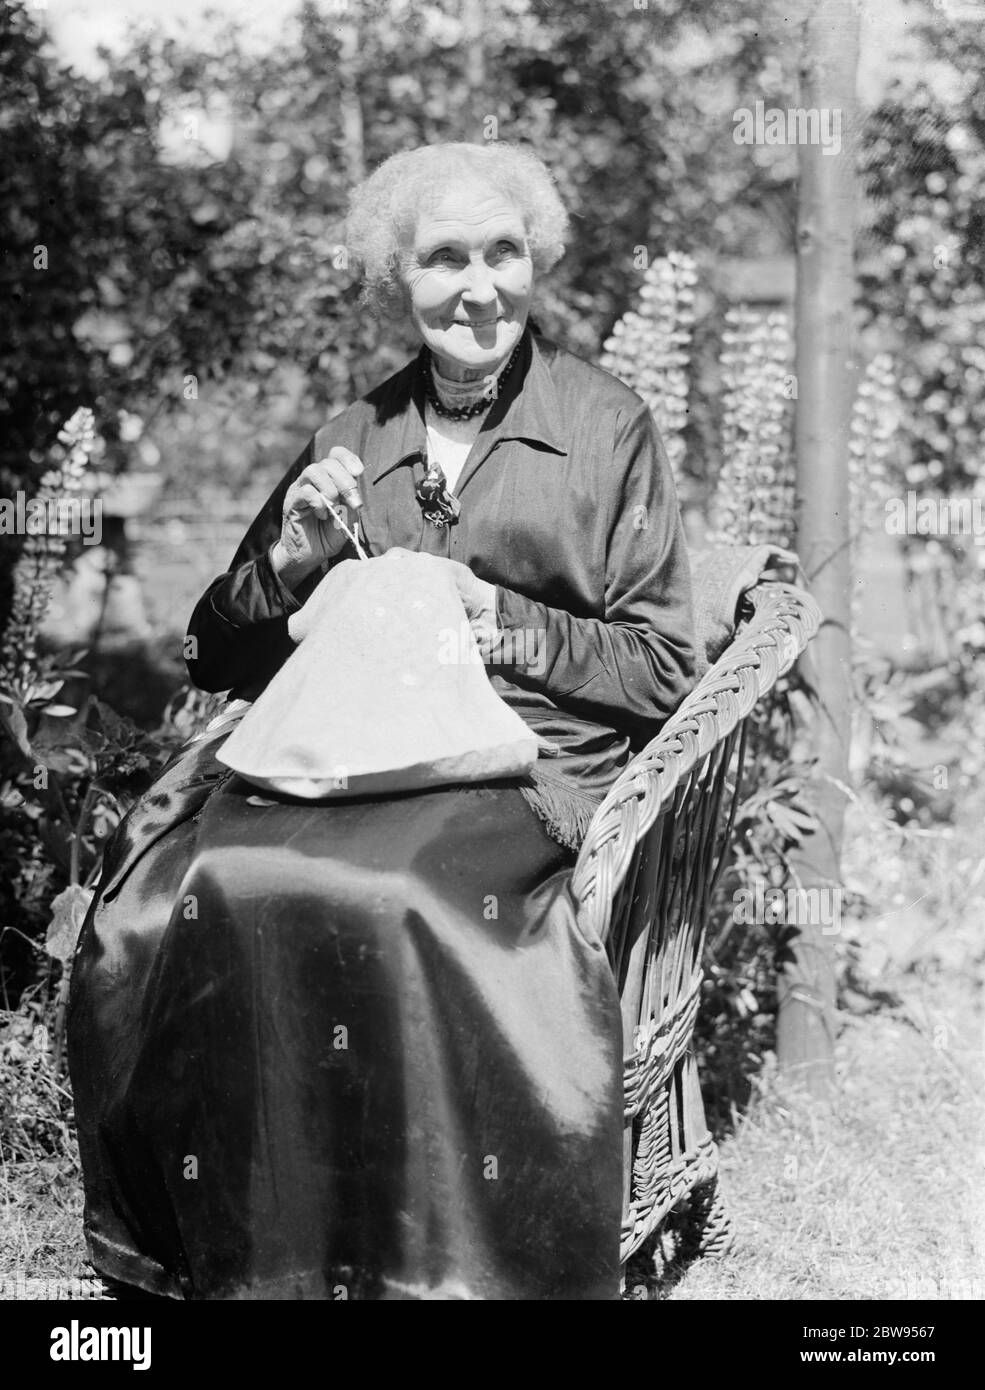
[(565, 809)]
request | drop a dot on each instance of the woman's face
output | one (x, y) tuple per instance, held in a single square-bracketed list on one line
[(469, 277)]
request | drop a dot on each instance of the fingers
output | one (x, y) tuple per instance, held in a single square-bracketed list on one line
[(307, 497), (331, 480), (340, 471), (345, 469)]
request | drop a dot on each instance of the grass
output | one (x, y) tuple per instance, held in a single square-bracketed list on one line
[(40, 1226), (40, 1176), (875, 1195), (878, 1194)]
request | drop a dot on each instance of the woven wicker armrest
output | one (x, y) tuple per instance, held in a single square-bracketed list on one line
[(643, 883), (783, 621)]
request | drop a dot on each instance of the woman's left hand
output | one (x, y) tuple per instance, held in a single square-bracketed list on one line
[(479, 598)]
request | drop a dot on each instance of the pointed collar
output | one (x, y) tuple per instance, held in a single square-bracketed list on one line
[(532, 411), (527, 409)]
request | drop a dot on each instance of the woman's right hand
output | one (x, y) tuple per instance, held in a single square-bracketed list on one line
[(310, 534)]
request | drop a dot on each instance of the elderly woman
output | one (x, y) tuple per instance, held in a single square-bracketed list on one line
[(362, 1048)]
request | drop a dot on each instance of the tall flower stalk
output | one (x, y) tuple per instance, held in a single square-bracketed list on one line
[(753, 500), (41, 558), (650, 347), (874, 423), (875, 420)]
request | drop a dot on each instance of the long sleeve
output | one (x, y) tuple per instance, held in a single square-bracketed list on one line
[(632, 666), (237, 637)]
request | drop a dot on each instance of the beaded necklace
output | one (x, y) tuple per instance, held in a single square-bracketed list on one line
[(464, 412)]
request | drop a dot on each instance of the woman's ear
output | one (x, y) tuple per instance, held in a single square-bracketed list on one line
[(394, 300)]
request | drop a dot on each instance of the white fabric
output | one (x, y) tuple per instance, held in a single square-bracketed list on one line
[(450, 441), (387, 692)]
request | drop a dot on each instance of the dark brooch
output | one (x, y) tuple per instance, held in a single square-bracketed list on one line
[(439, 506)]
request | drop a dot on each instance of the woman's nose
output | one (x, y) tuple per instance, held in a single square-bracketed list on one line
[(479, 286)]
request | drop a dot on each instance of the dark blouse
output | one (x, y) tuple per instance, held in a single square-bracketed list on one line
[(567, 506)]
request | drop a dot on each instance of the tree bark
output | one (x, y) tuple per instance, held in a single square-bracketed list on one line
[(825, 392), (475, 71), (351, 106)]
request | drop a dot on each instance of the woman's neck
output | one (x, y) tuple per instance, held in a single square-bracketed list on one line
[(453, 371)]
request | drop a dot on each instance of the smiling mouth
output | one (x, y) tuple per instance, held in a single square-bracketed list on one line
[(475, 323)]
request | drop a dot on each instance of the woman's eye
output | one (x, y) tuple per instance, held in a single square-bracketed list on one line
[(444, 256), (506, 248)]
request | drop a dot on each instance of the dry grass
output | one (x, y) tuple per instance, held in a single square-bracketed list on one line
[(879, 1194), (876, 1196), (40, 1221), (40, 1225), (40, 1193)]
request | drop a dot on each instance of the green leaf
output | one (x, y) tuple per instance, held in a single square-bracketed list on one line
[(68, 912), (16, 725)]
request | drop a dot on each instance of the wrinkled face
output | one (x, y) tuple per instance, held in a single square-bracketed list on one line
[(468, 277)]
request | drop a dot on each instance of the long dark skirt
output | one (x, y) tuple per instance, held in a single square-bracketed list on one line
[(357, 1049)]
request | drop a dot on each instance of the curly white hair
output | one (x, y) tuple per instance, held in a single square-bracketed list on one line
[(384, 208)]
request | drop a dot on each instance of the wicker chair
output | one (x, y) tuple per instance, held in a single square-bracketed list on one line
[(643, 881)]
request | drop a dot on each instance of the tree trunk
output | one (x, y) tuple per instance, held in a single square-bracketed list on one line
[(825, 391), (351, 106), (475, 72)]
